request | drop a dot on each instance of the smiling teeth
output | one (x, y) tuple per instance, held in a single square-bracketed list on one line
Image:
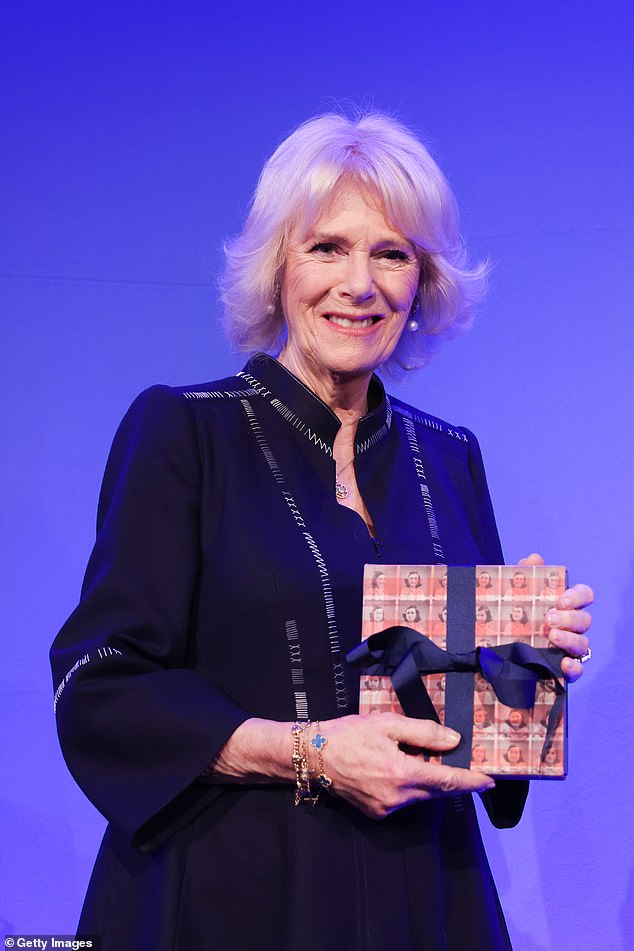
[(346, 322)]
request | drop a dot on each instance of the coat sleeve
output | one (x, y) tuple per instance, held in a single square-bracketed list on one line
[(136, 723), (505, 803)]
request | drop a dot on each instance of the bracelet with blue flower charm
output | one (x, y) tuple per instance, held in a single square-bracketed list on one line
[(318, 742)]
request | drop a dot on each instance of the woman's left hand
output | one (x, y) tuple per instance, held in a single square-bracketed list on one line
[(568, 622)]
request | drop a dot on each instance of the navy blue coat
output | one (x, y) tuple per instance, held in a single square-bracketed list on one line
[(225, 583)]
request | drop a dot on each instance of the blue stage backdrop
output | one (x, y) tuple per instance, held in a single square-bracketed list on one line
[(133, 136)]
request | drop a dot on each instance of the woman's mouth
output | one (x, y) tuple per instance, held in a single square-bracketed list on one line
[(353, 323)]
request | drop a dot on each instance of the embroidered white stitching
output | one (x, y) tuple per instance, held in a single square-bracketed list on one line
[(259, 388), (102, 653), (263, 444), (297, 672), (340, 688), (303, 428), (455, 432), (410, 432), (380, 433), (216, 394), (333, 634)]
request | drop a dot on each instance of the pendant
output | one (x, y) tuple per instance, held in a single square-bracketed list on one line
[(341, 490)]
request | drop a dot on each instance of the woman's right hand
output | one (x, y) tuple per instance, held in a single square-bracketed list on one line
[(370, 769), (364, 757)]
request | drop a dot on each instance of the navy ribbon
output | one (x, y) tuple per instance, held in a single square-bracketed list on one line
[(512, 670)]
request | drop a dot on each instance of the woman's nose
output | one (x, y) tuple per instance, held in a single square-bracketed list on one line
[(359, 281)]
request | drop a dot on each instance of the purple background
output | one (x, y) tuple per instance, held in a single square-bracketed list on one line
[(135, 134)]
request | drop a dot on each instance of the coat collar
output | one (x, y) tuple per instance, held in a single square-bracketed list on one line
[(305, 411)]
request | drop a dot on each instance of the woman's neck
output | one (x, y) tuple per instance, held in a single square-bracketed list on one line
[(348, 399), (347, 396)]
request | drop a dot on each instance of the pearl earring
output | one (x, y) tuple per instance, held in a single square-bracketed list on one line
[(412, 323), (271, 308)]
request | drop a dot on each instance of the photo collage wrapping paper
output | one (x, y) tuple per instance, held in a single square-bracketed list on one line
[(511, 603)]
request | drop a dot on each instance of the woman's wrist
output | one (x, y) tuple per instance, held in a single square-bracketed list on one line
[(258, 751), (308, 762)]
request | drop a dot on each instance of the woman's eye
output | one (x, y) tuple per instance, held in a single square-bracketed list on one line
[(324, 247), (394, 254)]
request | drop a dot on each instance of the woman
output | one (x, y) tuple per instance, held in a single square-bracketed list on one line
[(483, 626), (551, 763), (195, 728), (479, 754), (515, 758), (377, 583), (517, 627), (553, 587), (440, 588), (483, 582), (411, 614), (482, 722), (439, 628), (413, 584), (519, 586), (515, 724), (377, 619)]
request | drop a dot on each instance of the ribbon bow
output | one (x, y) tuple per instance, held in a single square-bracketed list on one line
[(512, 670)]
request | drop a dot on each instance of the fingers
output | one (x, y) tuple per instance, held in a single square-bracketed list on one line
[(370, 769), (574, 644), (576, 621), (434, 778), (429, 780), (410, 779), (422, 734), (426, 780), (569, 625), (579, 596), (572, 669), (533, 559)]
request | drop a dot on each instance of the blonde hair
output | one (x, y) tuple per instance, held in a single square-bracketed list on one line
[(296, 184)]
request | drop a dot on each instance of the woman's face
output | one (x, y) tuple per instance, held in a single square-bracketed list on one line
[(479, 716), (478, 753), (484, 579), (413, 579), (517, 613), (347, 289), (410, 614), (514, 755), (378, 582), (378, 614), (481, 614), (518, 580), (516, 719)]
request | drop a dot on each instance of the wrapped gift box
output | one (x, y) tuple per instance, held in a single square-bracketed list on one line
[(479, 620)]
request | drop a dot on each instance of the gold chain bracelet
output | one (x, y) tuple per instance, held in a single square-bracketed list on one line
[(303, 789), (307, 787), (319, 741)]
